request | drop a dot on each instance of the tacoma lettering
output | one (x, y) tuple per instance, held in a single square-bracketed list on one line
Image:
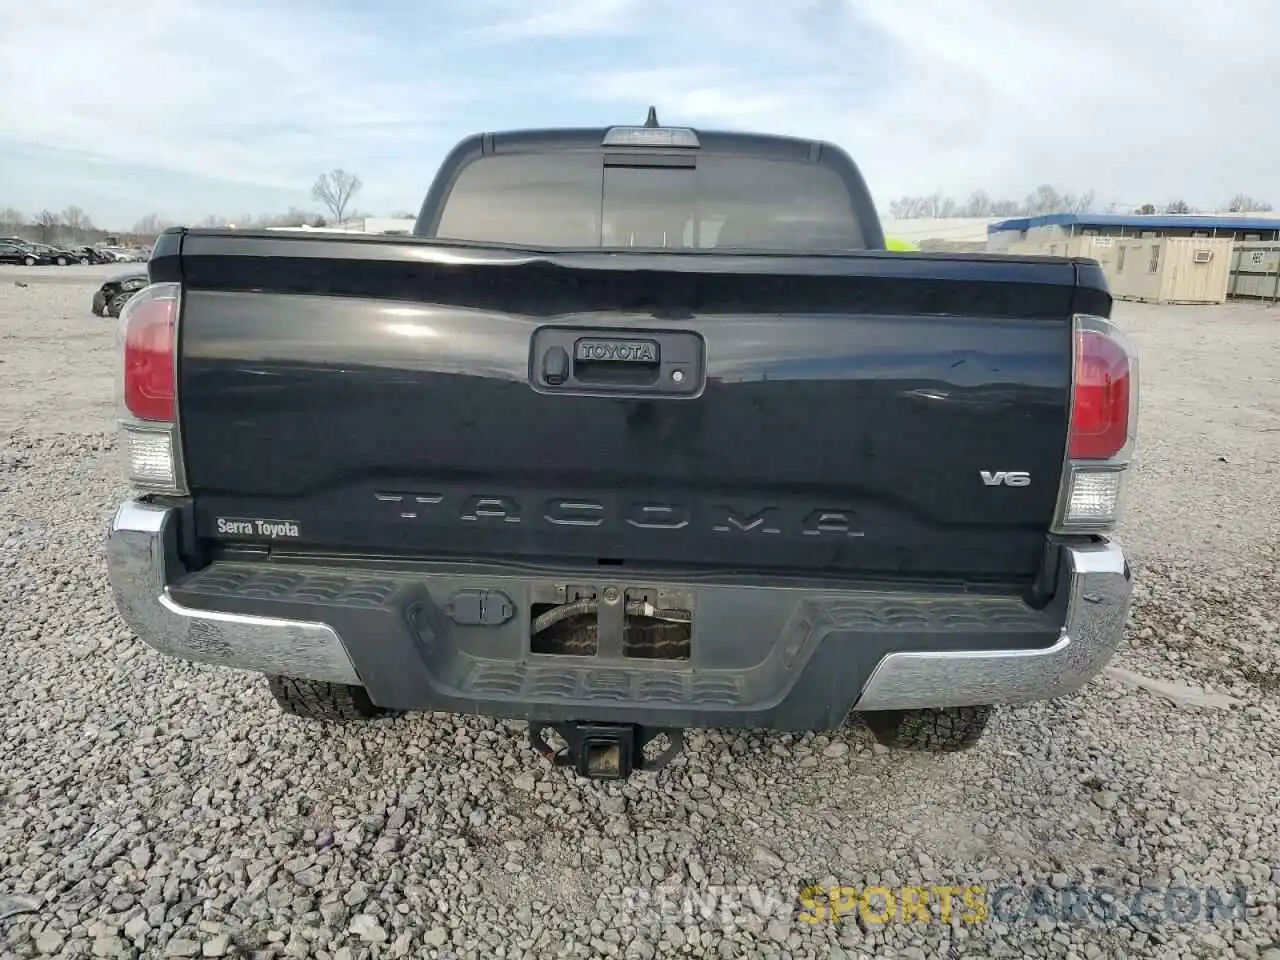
[(491, 508), (574, 513), (643, 515), (726, 521), (825, 522), (658, 516)]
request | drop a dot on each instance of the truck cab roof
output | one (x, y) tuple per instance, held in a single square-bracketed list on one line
[(640, 187)]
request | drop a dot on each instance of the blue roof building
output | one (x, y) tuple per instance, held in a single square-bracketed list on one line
[(1228, 226)]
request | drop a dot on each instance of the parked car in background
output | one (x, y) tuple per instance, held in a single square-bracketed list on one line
[(115, 293), (87, 255), (59, 255), (19, 253), (128, 254)]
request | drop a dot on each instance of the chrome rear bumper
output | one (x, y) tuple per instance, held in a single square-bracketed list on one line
[(142, 562), (822, 666), (1098, 606)]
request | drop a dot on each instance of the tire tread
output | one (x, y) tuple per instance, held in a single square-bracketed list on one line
[(931, 729), (328, 702)]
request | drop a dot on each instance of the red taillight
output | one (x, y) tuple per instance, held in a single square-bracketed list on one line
[(1100, 411), (149, 323)]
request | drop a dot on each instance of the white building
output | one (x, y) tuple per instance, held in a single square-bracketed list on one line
[(387, 225), (1174, 258), (1012, 234), (402, 225)]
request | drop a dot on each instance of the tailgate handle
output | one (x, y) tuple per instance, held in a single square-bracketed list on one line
[(615, 360), (650, 363)]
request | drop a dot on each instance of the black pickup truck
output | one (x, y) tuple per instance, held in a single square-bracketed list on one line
[(642, 430)]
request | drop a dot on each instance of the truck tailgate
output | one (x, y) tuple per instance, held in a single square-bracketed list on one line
[(860, 415)]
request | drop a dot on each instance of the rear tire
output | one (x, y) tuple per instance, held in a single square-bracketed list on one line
[(29, 261), (328, 702), (932, 729), (62, 261)]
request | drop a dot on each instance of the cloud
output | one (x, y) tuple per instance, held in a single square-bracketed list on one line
[(510, 20), (178, 105), (1140, 101), (227, 90)]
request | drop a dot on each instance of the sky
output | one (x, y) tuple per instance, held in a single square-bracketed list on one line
[(192, 108)]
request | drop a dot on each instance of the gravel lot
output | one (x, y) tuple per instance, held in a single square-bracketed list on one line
[(153, 808)]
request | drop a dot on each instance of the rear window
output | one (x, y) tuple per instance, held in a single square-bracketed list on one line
[(577, 200)]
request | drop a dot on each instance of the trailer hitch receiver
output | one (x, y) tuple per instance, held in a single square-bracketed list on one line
[(605, 751)]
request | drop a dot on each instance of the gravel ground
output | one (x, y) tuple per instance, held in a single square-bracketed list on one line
[(156, 808)]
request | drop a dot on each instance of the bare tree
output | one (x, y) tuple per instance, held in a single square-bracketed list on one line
[(1177, 207), (901, 209), (335, 190), (48, 222), (11, 219), (1077, 203), (76, 220), (1243, 203), (979, 204), (1044, 199), (149, 226), (1146, 210), (933, 206)]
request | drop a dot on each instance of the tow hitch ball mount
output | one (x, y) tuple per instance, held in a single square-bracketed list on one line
[(605, 751)]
